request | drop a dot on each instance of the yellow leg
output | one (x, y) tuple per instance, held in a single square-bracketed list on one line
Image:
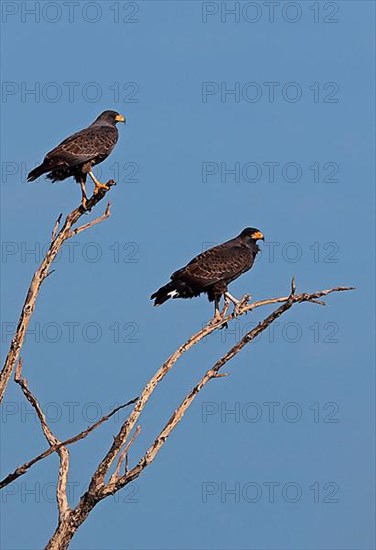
[(98, 184), (225, 306), (238, 304), (83, 193), (217, 313), (234, 300)]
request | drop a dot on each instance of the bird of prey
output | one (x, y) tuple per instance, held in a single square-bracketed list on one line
[(76, 155), (213, 270)]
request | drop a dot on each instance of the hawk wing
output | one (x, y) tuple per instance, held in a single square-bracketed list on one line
[(84, 146), (221, 263)]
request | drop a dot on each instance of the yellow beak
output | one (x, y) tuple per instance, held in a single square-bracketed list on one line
[(120, 118), (257, 235)]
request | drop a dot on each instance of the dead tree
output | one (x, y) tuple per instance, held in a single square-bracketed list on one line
[(113, 472)]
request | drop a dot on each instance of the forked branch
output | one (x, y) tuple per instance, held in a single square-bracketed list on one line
[(213, 372), (124, 433), (99, 488)]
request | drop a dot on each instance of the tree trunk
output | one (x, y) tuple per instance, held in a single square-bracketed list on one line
[(67, 528)]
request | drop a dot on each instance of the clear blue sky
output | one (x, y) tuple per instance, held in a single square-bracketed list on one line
[(97, 339)]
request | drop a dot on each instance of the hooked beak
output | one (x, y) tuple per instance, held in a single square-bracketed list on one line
[(258, 235), (120, 118)]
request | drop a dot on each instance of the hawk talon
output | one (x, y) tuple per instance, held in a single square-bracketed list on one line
[(216, 319), (244, 301), (236, 311), (241, 304), (99, 187)]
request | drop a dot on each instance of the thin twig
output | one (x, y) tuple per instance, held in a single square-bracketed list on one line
[(293, 285), (21, 470), (123, 456), (56, 227), (100, 219)]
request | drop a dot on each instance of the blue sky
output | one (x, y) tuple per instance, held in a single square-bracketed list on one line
[(169, 67)]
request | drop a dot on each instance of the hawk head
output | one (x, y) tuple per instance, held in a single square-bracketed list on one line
[(251, 233), (109, 118)]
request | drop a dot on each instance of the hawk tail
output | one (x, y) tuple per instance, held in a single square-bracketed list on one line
[(173, 289), (58, 171), (38, 171)]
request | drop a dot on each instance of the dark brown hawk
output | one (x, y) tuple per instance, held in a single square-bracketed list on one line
[(212, 271), (76, 155)]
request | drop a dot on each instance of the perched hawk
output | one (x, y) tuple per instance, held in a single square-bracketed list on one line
[(76, 155), (211, 271)]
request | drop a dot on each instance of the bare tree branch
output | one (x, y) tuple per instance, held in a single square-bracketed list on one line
[(61, 491), (100, 219), (21, 470), (56, 227), (40, 275), (98, 490), (121, 438), (178, 414)]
